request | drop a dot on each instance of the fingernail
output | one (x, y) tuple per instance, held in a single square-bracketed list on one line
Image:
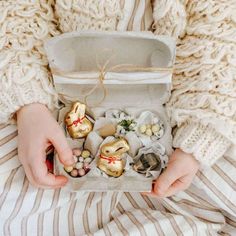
[(70, 162), (65, 181)]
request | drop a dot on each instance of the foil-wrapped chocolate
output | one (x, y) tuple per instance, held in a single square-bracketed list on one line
[(77, 124), (146, 163), (110, 160)]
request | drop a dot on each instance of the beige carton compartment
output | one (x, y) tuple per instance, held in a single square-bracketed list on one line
[(79, 51), (94, 182), (79, 55), (76, 55)]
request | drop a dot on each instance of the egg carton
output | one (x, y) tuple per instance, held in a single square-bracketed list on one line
[(76, 60)]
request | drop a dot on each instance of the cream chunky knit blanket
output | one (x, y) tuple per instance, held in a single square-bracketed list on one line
[(203, 102)]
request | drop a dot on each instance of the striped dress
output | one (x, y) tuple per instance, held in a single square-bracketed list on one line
[(208, 206)]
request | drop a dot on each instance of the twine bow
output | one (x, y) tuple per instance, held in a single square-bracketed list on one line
[(103, 70)]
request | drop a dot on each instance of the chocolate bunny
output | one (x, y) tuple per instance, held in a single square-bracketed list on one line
[(110, 160), (77, 124)]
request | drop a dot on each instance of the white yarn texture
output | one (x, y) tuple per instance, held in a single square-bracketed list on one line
[(203, 101), (24, 76), (76, 15)]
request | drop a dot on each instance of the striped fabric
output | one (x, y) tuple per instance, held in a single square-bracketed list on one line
[(207, 207), (137, 15)]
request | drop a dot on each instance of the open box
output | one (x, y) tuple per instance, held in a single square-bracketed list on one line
[(76, 60)]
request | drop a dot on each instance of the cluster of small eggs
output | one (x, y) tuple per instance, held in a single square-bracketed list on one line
[(81, 166), (150, 130)]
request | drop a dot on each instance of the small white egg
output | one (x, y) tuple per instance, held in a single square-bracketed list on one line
[(79, 165), (88, 160)]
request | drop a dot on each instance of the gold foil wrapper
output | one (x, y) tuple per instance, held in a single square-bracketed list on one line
[(78, 126), (110, 160)]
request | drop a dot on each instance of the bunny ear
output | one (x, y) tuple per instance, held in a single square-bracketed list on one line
[(76, 108), (67, 116), (82, 109)]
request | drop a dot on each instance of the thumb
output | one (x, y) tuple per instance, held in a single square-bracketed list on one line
[(64, 151), (164, 181)]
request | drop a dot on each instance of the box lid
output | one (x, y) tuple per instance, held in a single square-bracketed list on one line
[(138, 65)]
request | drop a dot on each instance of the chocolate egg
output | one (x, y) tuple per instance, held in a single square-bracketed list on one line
[(74, 173), (148, 132), (86, 166), (79, 165), (68, 168), (87, 160), (85, 154), (81, 172), (142, 129)]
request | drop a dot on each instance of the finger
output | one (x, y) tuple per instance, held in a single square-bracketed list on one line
[(54, 181), (150, 194), (64, 151), (29, 174), (35, 167), (176, 187), (173, 189), (43, 178), (179, 185), (31, 179), (164, 181)]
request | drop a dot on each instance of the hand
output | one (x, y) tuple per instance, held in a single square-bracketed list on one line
[(180, 171), (37, 130)]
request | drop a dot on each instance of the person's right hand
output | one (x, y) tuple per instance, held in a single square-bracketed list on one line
[(37, 130)]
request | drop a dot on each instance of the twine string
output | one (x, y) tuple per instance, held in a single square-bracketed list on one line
[(103, 70)]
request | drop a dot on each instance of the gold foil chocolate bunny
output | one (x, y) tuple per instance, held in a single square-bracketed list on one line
[(77, 124), (110, 160)]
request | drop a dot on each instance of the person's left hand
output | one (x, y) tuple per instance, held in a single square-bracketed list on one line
[(180, 171)]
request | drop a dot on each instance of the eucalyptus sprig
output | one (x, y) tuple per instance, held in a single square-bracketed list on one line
[(128, 125)]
